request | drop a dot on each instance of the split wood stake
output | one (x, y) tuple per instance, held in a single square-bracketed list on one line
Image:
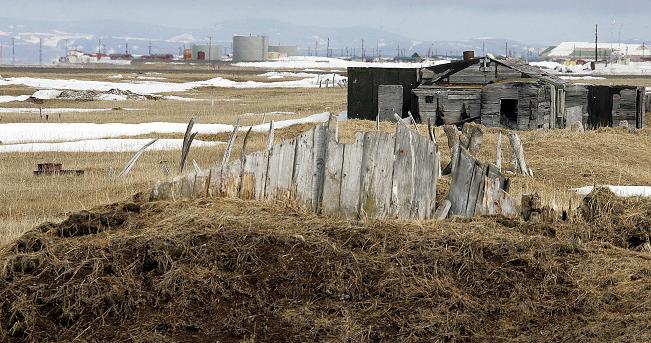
[(498, 152), (135, 158), (231, 142), (270, 137), (413, 121), (452, 133), (186, 151), (518, 153), (377, 122), (196, 166), (185, 148), (430, 130)]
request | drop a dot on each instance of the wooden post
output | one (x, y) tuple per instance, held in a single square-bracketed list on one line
[(518, 151), (270, 137), (187, 138), (196, 166), (231, 142), (413, 121), (498, 152), (377, 122), (430, 130), (186, 151), (475, 136), (452, 133), (135, 158)]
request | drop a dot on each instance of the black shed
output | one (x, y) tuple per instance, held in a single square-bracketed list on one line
[(395, 86)]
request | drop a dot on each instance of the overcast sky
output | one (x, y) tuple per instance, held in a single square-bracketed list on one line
[(540, 21)]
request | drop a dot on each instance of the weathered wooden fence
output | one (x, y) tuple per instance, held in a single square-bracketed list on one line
[(379, 175)]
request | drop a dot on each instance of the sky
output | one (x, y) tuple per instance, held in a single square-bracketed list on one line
[(541, 21)]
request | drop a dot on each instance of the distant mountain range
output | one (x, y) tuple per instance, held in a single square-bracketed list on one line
[(114, 36)]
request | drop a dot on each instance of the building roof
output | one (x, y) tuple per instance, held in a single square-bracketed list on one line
[(444, 71), (569, 49)]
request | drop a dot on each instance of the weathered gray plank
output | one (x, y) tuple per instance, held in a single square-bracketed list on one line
[(377, 169), (304, 168), (427, 168), (403, 173), (319, 147), (231, 179), (279, 173), (476, 193), (254, 176), (351, 177), (461, 182)]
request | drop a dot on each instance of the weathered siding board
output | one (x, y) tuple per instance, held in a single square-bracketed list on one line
[(403, 173), (230, 179), (334, 156), (461, 182), (279, 175), (319, 147), (254, 175), (426, 175), (304, 166), (377, 169), (351, 177)]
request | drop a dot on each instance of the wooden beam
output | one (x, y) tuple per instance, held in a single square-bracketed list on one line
[(135, 158)]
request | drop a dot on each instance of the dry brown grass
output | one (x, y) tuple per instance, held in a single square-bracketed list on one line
[(226, 270)]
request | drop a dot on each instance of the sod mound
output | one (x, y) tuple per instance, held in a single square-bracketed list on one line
[(213, 270)]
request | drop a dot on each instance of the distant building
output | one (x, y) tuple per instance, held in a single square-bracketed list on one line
[(585, 51), (206, 52), (282, 51)]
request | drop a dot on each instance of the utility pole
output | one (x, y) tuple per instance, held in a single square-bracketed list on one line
[(363, 53), (13, 50), (316, 47), (40, 51), (377, 49), (483, 48), (596, 43), (507, 49), (328, 48), (209, 48), (149, 48), (126, 48)]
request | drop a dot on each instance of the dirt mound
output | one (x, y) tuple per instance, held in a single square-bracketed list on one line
[(227, 270), (624, 222)]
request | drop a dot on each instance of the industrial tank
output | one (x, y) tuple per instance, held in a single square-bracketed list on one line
[(284, 50), (206, 52), (250, 48)]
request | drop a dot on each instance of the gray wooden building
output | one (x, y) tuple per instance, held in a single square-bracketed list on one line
[(497, 93)]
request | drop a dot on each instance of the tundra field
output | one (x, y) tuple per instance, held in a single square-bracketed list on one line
[(588, 279)]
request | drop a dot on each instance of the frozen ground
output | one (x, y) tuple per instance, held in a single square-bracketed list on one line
[(62, 110), (311, 62), (9, 98), (64, 132), (632, 68), (620, 191), (155, 87), (102, 145)]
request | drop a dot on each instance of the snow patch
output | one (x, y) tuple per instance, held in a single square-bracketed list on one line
[(62, 132), (620, 191), (103, 145)]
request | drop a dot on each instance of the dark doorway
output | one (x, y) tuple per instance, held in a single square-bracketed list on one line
[(600, 106), (509, 109)]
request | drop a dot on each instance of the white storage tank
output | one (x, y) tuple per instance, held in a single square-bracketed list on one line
[(205, 52), (250, 48)]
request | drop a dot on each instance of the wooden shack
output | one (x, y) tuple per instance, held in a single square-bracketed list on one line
[(498, 93)]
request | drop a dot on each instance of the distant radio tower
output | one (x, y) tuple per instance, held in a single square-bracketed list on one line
[(40, 51)]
